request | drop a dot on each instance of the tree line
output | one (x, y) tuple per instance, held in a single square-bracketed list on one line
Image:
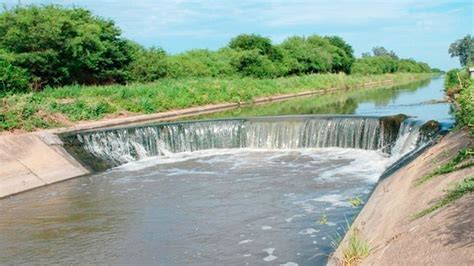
[(54, 46)]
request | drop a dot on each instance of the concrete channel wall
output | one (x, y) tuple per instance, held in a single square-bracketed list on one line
[(33, 160), (37, 159)]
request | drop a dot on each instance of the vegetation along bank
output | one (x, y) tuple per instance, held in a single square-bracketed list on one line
[(423, 213), (62, 65)]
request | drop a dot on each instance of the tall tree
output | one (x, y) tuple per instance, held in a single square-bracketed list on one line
[(464, 49)]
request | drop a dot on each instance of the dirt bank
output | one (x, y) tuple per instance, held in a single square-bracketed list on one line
[(445, 237)]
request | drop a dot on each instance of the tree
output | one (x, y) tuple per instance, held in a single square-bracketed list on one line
[(313, 54), (346, 58), (381, 51), (247, 42), (58, 45), (464, 49)]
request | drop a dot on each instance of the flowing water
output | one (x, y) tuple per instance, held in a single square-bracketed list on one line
[(243, 191)]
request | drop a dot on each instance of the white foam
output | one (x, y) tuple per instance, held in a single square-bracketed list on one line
[(289, 220), (290, 263), (336, 200), (270, 256), (266, 227), (308, 231), (245, 241)]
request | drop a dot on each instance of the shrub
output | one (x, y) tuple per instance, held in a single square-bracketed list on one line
[(60, 45), (201, 63), (148, 65), (375, 65), (12, 78)]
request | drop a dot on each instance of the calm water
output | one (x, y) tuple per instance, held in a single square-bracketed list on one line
[(424, 100), (226, 207)]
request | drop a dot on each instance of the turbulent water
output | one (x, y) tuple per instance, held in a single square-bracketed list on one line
[(120, 146), (275, 191), (215, 207)]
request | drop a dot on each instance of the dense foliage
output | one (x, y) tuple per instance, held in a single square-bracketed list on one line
[(52, 46), (60, 46), (384, 61), (460, 87)]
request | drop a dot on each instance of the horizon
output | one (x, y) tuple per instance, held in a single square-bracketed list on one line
[(422, 31)]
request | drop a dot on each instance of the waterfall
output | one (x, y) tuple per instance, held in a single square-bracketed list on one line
[(118, 146)]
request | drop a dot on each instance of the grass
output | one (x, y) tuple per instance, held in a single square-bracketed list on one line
[(356, 249), (458, 191), (450, 166), (54, 107), (323, 219), (355, 201)]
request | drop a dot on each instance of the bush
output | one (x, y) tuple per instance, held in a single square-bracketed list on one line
[(411, 66), (148, 65), (201, 63), (375, 65), (12, 78), (60, 46)]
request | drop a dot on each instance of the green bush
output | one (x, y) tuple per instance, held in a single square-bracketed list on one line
[(412, 66), (201, 63), (375, 65), (12, 78), (148, 65), (60, 45)]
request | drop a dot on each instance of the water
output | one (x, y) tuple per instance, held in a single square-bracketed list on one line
[(225, 207), (424, 100), (118, 146), (236, 192)]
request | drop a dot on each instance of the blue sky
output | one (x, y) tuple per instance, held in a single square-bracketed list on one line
[(418, 29)]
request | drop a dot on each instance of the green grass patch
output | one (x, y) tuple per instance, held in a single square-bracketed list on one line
[(30, 111), (451, 166), (460, 189), (356, 249)]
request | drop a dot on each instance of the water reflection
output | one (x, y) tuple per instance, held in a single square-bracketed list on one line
[(423, 99)]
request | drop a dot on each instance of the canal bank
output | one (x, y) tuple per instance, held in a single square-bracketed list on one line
[(386, 222), (226, 206), (37, 159)]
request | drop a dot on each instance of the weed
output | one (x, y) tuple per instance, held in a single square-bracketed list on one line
[(323, 219), (356, 201), (356, 249), (460, 189), (451, 166)]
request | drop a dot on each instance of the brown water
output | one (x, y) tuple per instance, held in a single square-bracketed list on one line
[(227, 207)]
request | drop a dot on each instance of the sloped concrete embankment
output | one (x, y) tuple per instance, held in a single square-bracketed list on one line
[(445, 237), (32, 160)]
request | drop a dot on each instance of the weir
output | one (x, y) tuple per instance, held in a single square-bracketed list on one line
[(395, 136)]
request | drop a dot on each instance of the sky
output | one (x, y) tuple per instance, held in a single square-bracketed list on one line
[(418, 29)]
